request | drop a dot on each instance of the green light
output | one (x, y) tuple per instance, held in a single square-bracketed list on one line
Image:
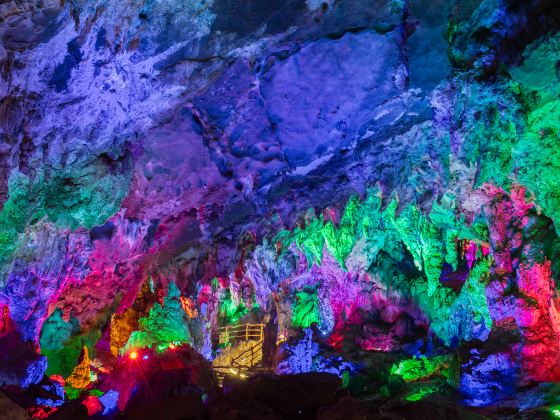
[(96, 392), (229, 311), (430, 239), (423, 392), (421, 368), (71, 392), (164, 324), (305, 309), (555, 411), (58, 343)]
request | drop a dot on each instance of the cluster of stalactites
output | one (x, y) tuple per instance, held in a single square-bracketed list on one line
[(438, 238)]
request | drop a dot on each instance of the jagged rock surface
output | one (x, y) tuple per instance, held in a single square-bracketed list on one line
[(364, 176)]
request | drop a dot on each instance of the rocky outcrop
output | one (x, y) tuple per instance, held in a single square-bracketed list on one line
[(20, 366), (145, 381), (11, 411)]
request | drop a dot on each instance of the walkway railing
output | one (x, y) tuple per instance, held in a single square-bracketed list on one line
[(253, 337), (232, 333), (249, 358)]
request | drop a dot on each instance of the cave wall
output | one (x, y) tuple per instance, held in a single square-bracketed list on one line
[(383, 169)]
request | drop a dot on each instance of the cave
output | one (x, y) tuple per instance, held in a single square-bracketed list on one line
[(279, 209)]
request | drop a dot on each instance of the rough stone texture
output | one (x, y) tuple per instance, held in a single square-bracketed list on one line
[(375, 180), (288, 395), (10, 410), (145, 382), (20, 365)]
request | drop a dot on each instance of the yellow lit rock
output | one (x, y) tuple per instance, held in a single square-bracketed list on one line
[(122, 326), (80, 377)]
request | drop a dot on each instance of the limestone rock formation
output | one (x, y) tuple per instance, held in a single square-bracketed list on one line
[(373, 184)]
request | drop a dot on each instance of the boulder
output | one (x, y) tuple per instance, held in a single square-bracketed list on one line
[(10, 410), (290, 395), (153, 381), (20, 364)]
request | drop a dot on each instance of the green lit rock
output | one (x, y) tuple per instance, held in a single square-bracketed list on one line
[(310, 240), (164, 324), (464, 315), (305, 309), (431, 240), (419, 368), (370, 233), (537, 157), (484, 123), (15, 214), (85, 196), (423, 240), (422, 392), (539, 171), (60, 343), (229, 311), (341, 241), (78, 197)]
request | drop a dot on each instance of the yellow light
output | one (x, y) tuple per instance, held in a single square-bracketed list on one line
[(133, 355)]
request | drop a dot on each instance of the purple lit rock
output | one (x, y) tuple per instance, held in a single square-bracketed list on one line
[(321, 98)]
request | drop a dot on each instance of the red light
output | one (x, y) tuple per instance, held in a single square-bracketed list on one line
[(133, 355)]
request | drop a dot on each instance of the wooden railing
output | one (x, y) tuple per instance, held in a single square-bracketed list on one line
[(253, 334), (241, 363), (249, 357), (232, 333)]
